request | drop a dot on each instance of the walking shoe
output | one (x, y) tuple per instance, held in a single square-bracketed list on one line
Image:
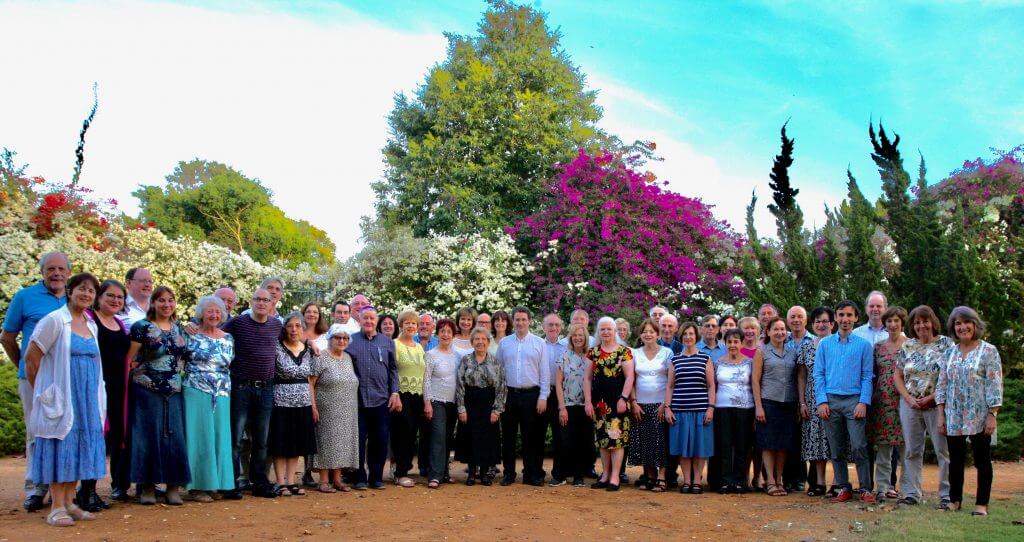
[(867, 496), (578, 482), (232, 495), (33, 503), (844, 495), (508, 480), (555, 482), (360, 486)]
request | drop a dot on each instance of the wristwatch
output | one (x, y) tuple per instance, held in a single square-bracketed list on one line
[(994, 414)]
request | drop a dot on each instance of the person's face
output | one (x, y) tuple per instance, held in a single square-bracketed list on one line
[(83, 295), (689, 337), (521, 322), (606, 332), (923, 329), (876, 306), (484, 320), (465, 323), (368, 322), (777, 333), (445, 336), (669, 327), (276, 291), (341, 313), (579, 339), (410, 327), (797, 320), (480, 343), (728, 324), (552, 328), (426, 326), (141, 284), (339, 343), (765, 314), (732, 345), (501, 326), (212, 315), (55, 273), (229, 299), (387, 327), (112, 300), (750, 333), (656, 314), (358, 302), (894, 325), (581, 318), (622, 328), (648, 336), (165, 305), (261, 302), (846, 317), (964, 330), (709, 331), (822, 325), (311, 315), (293, 330)]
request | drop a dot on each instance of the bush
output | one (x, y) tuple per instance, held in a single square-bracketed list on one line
[(12, 426), (1011, 422)]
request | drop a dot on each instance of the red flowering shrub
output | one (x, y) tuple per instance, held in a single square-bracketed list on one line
[(610, 240), (74, 201)]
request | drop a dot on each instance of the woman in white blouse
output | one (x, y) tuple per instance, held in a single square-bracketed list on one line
[(648, 446), (439, 402)]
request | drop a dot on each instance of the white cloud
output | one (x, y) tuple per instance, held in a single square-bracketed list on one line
[(300, 104)]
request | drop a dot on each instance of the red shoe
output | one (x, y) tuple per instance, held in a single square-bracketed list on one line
[(844, 496), (868, 497)]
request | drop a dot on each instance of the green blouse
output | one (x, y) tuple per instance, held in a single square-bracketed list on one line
[(412, 363)]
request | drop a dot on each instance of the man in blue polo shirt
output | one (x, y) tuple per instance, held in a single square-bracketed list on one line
[(27, 307)]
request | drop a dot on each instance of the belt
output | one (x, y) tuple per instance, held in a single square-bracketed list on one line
[(524, 390), (251, 383), (291, 381)]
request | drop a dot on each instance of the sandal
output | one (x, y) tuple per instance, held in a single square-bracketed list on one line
[(908, 501), (283, 491), (326, 488), (659, 486), (433, 484), (815, 491), (832, 492), (892, 494), (776, 490), (697, 489), (342, 487), (78, 514), (59, 517), (296, 490)]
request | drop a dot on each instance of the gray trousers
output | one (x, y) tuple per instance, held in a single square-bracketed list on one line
[(843, 430), (442, 426), (883, 466), (25, 393), (915, 424)]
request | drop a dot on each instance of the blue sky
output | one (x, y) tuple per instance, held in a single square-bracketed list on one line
[(296, 93)]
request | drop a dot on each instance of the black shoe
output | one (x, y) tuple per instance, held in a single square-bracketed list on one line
[(33, 503), (623, 478), (118, 494), (672, 484), (508, 480), (377, 485), (308, 481), (555, 482), (599, 485), (612, 487), (487, 480), (578, 482), (535, 482), (360, 486), (244, 485), (84, 502), (471, 481), (232, 495), (265, 491), (95, 499)]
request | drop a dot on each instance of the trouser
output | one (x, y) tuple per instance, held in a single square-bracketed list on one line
[(406, 425), (577, 443), (894, 460), (374, 433), (250, 412), (521, 418), (732, 444), (794, 472), (442, 437), (244, 453), (25, 393), (550, 418), (884, 471), (981, 448), (915, 424), (843, 430)]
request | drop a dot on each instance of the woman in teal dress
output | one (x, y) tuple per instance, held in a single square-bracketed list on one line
[(207, 394)]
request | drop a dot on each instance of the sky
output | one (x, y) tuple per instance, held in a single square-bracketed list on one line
[(296, 94)]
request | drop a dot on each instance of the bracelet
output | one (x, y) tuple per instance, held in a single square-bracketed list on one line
[(624, 398)]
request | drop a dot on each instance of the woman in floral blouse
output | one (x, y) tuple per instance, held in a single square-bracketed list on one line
[(917, 371), (159, 455), (884, 419), (578, 435), (207, 394), (480, 399), (969, 394), (606, 389)]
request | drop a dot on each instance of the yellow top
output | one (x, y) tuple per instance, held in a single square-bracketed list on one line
[(412, 362)]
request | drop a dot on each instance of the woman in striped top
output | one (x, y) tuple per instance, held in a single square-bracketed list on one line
[(690, 393)]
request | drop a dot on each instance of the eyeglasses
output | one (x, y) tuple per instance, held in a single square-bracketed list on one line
[(261, 300), (816, 322)]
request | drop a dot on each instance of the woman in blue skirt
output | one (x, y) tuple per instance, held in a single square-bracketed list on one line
[(690, 394), (69, 401)]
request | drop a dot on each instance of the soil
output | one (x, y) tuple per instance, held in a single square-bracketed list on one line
[(457, 512)]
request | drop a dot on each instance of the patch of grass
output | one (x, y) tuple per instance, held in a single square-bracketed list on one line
[(923, 522)]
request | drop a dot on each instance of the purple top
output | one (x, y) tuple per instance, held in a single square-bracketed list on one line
[(255, 347)]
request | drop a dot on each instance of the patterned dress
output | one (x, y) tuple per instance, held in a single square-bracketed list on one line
[(968, 387), (884, 418), (607, 383), (292, 432), (337, 401), (814, 444)]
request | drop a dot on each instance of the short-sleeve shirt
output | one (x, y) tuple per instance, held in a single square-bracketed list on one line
[(921, 362), (574, 367), (207, 362), (690, 391), (28, 306), (161, 357), (778, 379), (255, 347)]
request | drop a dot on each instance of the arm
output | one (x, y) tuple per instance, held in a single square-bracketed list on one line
[(588, 377), (801, 389), (33, 358), (710, 376), (394, 401), (993, 369), (627, 387), (755, 385), (940, 398), (500, 393), (563, 413), (670, 385), (428, 372), (545, 379), (13, 323), (820, 396), (460, 391), (9, 340), (312, 396), (867, 377)]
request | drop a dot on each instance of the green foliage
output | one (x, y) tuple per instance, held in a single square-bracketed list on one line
[(924, 523), (213, 202), (12, 426), (1010, 441), (862, 270), (473, 150)]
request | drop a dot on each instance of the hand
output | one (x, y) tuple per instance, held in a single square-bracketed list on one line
[(925, 403), (804, 414), (670, 418), (860, 412), (395, 403), (494, 417), (709, 415), (620, 406), (638, 412), (463, 417), (990, 424), (542, 405), (759, 415), (661, 412), (428, 410), (589, 409), (941, 425), (316, 415), (191, 328), (313, 347), (823, 411), (563, 416)]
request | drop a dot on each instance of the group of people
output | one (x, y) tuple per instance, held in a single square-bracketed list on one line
[(207, 406)]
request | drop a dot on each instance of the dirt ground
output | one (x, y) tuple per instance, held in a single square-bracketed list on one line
[(457, 512)]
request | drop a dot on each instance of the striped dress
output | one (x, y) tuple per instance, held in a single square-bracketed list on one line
[(689, 436)]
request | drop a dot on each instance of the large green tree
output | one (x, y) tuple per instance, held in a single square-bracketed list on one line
[(472, 151), (214, 202)]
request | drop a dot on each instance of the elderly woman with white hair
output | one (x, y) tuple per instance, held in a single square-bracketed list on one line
[(607, 385), (292, 432), (969, 394), (207, 393), (336, 411)]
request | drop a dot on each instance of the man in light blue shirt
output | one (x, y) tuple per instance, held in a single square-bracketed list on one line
[(425, 336), (528, 379), (874, 331), (843, 371), (27, 307), (709, 343)]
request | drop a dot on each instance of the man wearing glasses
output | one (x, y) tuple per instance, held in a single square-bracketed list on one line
[(139, 283)]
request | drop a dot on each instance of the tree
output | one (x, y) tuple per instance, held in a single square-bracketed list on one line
[(610, 240), (214, 202), (473, 149), (862, 268)]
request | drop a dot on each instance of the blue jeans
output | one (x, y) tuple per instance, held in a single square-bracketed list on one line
[(250, 411), (374, 433)]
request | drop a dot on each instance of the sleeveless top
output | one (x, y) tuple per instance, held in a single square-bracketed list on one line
[(690, 390), (732, 381)]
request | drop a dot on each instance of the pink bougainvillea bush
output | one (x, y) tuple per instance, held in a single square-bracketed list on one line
[(612, 240)]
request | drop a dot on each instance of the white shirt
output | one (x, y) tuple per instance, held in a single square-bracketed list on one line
[(591, 341), (131, 313), (352, 326), (439, 375), (524, 364), (53, 413), (651, 375)]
